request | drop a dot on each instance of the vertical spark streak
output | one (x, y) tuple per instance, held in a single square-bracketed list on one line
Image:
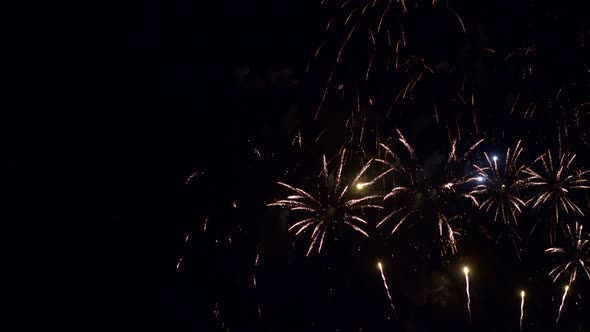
[(179, 262), (466, 272), (562, 302), (256, 261), (521, 308), (386, 287)]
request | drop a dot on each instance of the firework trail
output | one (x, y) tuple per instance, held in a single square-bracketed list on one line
[(566, 289), (386, 287), (466, 272), (256, 263), (377, 27), (181, 259), (556, 181), (521, 309), (193, 176), (331, 207), (416, 192), (577, 256), (255, 267), (179, 262), (500, 185)]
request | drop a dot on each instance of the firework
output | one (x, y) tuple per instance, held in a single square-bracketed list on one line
[(386, 287), (331, 207), (179, 262), (256, 260), (365, 19), (466, 272), (417, 192), (521, 309), (500, 184), (566, 289), (256, 263), (556, 181), (376, 26), (577, 256)]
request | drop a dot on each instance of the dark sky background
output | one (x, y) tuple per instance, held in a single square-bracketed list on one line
[(111, 108)]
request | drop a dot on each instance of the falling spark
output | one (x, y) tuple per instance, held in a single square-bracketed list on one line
[(255, 266), (386, 287), (192, 176), (567, 287), (179, 262), (521, 308), (466, 272)]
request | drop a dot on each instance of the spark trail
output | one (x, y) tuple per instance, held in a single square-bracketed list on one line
[(386, 287), (466, 272), (521, 309), (567, 287)]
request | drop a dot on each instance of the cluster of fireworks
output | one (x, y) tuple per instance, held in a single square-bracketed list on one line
[(502, 187), (476, 178), (408, 190)]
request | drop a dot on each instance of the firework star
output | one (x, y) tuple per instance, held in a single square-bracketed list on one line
[(427, 190), (576, 254), (556, 181), (500, 184), (335, 204)]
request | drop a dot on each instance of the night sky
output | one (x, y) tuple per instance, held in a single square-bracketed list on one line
[(143, 142)]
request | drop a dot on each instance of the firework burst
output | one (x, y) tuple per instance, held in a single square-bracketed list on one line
[(500, 184), (332, 206), (556, 181), (419, 188), (577, 256)]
